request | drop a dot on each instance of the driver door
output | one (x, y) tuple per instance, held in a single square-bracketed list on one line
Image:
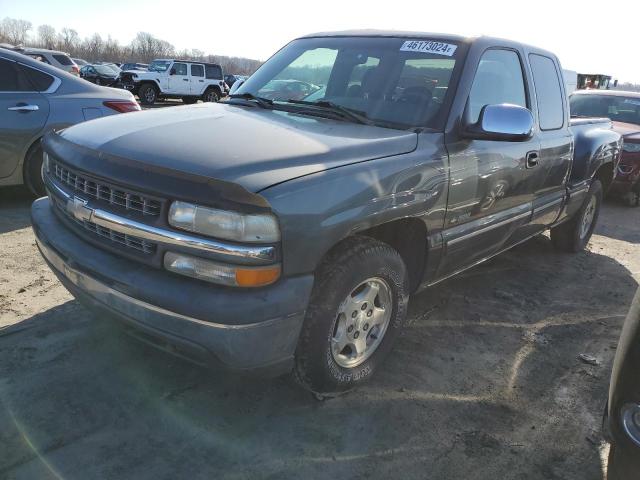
[(179, 83), (491, 186)]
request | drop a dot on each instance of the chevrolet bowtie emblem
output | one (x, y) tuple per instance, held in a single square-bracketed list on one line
[(78, 208)]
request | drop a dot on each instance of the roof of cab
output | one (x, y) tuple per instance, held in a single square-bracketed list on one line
[(391, 33), (431, 36)]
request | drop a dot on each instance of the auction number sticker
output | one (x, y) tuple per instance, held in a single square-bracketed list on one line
[(429, 46)]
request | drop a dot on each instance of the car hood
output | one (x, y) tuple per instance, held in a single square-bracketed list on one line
[(249, 146), (627, 130)]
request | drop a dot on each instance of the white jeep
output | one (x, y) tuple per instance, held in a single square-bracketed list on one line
[(169, 78)]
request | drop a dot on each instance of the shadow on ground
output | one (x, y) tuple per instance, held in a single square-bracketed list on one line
[(14, 208), (484, 383)]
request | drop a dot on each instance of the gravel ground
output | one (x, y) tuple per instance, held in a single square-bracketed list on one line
[(485, 382)]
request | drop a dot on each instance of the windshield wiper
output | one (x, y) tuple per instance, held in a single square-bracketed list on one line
[(263, 102), (354, 115)]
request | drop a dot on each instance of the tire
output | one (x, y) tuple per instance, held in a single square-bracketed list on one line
[(345, 281), (573, 235), (189, 100), (211, 95), (147, 94), (33, 171)]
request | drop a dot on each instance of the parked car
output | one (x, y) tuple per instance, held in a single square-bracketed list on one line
[(237, 84), (622, 416), (58, 59), (134, 66), (99, 74), (80, 62), (624, 109), (230, 79), (283, 89), (285, 235), (169, 78), (36, 98)]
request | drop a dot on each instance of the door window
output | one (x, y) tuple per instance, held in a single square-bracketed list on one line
[(197, 71), (10, 78), (498, 80), (548, 92), (180, 68)]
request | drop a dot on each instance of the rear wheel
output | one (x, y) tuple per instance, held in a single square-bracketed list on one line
[(33, 171), (573, 235), (147, 94), (210, 95), (357, 308)]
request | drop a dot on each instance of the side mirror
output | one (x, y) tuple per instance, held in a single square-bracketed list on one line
[(172, 71), (503, 122)]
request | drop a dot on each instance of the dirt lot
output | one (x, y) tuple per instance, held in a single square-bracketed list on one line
[(485, 383)]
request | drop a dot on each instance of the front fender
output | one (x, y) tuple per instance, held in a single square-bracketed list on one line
[(319, 210)]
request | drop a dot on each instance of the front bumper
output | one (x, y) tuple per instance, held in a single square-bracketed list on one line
[(240, 329)]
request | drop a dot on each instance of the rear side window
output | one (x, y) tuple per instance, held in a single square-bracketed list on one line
[(498, 80), (63, 59), (213, 71), (39, 81), (197, 70), (11, 80), (548, 92)]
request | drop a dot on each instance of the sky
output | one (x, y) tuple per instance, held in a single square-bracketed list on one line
[(586, 36)]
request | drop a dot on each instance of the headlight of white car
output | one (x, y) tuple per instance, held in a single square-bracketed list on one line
[(631, 147), (223, 224)]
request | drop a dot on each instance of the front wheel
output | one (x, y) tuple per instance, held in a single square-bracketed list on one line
[(357, 308), (147, 94), (573, 235)]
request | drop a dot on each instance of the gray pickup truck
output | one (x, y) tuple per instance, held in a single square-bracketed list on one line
[(284, 231)]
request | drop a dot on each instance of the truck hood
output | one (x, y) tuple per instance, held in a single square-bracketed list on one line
[(250, 146)]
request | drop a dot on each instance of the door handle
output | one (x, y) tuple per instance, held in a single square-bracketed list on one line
[(185, 79), (532, 159), (23, 107)]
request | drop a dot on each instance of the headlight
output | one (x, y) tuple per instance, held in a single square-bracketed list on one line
[(631, 147), (210, 271), (247, 228)]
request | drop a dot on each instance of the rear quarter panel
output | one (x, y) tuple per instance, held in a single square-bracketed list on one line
[(595, 144)]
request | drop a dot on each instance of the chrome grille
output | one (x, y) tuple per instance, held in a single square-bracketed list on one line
[(130, 241), (117, 197)]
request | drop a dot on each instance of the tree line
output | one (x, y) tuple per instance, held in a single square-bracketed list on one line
[(143, 48)]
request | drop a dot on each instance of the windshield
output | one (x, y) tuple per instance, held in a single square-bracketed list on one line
[(159, 66), (391, 81), (617, 108)]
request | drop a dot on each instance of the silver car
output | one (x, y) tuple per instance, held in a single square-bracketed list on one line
[(36, 98)]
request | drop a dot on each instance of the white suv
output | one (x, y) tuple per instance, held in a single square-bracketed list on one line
[(169, 78)]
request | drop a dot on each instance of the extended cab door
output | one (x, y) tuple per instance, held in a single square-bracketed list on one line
[(179, 82), (491, 188), (197, 79), (556, 141), (23, 111)]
